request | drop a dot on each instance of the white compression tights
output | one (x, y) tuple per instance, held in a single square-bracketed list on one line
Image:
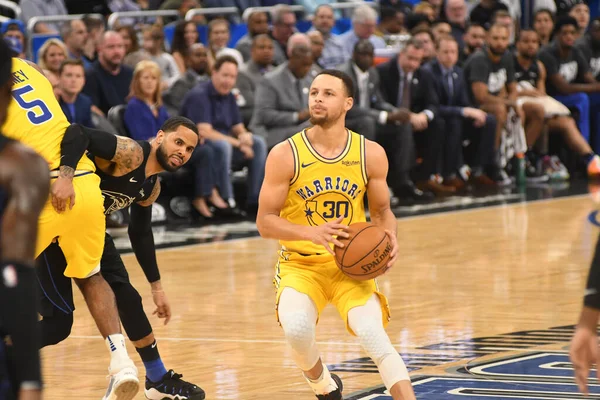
[(298, 318)]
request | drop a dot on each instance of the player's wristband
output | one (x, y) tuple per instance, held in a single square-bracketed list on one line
[(592, 299), (18, 286)]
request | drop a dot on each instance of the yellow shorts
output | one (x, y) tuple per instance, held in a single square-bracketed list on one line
[(319, 277), (80, 231)]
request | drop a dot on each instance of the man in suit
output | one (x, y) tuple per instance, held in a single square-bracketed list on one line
[(197, 71), (258, 24), (252, 72), (369, 109), (282, 95), (459, 117), (76, 105), (412, 89)]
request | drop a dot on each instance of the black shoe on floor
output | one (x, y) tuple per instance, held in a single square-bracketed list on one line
[(171, 386), (337, 393)]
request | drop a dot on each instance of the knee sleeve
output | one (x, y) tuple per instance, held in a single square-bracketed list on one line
[(298, 318), (367, 324), (131, 311), (56, 328)]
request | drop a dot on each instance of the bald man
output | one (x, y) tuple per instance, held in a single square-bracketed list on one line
[(107, 81)]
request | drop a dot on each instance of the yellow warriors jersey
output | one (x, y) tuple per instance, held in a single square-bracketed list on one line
[(34, 115), (322, 189)]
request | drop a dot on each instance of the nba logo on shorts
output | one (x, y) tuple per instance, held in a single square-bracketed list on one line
[(10, 276)]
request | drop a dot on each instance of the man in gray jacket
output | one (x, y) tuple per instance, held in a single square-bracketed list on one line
[(282, 95)]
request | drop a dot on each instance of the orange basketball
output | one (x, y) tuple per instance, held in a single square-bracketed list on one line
[(366, 252)]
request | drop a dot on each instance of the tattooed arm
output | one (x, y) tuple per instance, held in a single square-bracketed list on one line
[(115, 155)]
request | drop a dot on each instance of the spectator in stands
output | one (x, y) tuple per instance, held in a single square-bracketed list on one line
[(581, 12), (412, 90), (531, 76), (569, 78), (417, 20), (74, 35), (53, 79), (364, 22), (310, 6), (456, 15), (13, 28), (440, 29), (427, 43), (589, 46), (197, 71), (483, 12), (76, 105), (426, 9), (549, 5), (333, 51), (251, 73), (474, 40), (95, 29), (51, 55), (107, 82), (461, 121), (145, 112), (186, 34), (14, 45), (282, 96), (490, 73), (258, 24), (220, 124), (369, 113), (88, 7), (284, 25), (437, 8), (316, 46), (543, 23), (218, 38), (133, 53), (154, 45), (183, 6), (503, 18), (391, 22), (404, 6), (40, 8)]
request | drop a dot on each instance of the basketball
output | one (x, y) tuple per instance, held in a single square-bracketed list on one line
[(366, 251)]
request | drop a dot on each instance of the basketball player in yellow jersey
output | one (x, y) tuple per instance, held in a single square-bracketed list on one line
[(36, 119), (314, 187)]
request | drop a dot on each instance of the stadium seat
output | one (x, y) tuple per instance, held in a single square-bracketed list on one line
[(116, 116)]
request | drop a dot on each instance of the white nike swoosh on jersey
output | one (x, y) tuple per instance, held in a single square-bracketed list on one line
[(589, 292), (132, 180)]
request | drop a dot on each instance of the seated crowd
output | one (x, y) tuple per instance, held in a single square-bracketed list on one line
[(464, 98)]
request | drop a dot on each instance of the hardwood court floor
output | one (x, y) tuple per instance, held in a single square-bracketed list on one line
[(460, 275)]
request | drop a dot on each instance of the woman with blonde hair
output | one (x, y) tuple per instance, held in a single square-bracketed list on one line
[(51, 55), (145, 112)]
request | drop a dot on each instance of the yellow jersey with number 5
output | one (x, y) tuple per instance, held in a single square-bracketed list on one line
[(325, 189), (34, 115)]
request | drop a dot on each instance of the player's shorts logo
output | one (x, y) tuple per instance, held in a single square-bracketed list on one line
[(327, 207)]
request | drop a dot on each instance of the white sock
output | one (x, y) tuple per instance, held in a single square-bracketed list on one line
[(323, 384), (119, 358)]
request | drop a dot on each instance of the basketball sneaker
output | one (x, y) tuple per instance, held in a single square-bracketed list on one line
[(171, 386), (337, 393), (123, 385), (555, 169), (593, 168)]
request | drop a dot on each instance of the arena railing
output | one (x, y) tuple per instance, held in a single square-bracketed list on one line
[(114, 17), (13, 7), (210, 11), (37, 39), (251, 10)]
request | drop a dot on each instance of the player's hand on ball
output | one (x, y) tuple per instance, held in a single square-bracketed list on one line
[(584, 353), (324, 234), (163, 308), (394, 252), (62, 190)]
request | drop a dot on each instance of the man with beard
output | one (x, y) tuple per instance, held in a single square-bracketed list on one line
[(333, 50), (258, 24), (130, 180), (490, 73), (301, 205), (107, 81), (474, 39), (531, 75), (569, 79), (589, 46)]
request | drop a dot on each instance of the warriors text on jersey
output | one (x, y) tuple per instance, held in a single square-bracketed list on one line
[(323, 189), (35, 117)]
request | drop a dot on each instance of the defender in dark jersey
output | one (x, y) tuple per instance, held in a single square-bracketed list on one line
[(128, 181), (530, 74), (24, 189)]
